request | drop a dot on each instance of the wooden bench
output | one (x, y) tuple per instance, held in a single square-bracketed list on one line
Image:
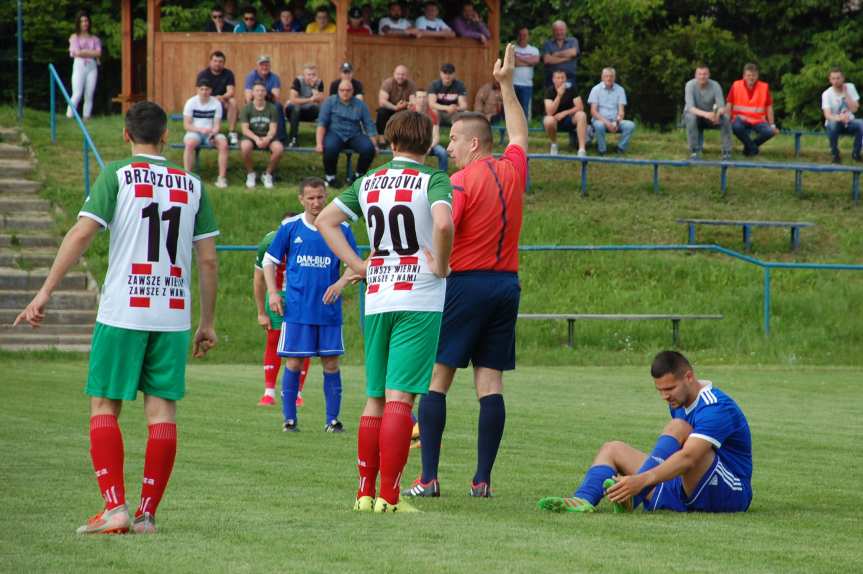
[(747, 226), (571, 318)]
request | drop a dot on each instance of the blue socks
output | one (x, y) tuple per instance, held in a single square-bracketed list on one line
[(432, 420), (665, 446), (333, 394), (290, 388), (591, 485), (492, 417)]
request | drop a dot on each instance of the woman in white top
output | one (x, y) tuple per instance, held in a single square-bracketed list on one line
[(86, 49)]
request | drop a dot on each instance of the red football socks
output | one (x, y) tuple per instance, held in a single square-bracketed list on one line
[(272, 361), (158, 463), (395, 443), (106, 452), (368, 454), (307, 362)]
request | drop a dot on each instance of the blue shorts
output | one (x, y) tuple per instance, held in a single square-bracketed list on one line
[(479, 318), (719, 490), (299, 340)]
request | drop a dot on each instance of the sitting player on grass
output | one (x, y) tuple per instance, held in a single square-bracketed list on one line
[(272, 322), (408, 213), (312, 312), (701, 462)]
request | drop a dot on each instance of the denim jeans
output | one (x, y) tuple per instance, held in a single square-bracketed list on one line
[(853, 128), (442, 158), (695, 127), (305, 113), (742, 129), (360, 143), (626, 129), (524, 95)]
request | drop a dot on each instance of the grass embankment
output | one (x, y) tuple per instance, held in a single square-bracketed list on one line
[(816, 315)]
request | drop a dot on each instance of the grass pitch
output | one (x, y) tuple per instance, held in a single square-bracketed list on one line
[(246, 497)]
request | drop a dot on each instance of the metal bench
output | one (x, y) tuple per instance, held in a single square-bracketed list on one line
[(571, 318), (747, 226)]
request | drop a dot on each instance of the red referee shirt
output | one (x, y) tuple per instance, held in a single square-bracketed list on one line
[(487, 207)]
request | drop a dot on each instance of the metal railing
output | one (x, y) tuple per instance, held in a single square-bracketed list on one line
[(766, 266), (56, 82)]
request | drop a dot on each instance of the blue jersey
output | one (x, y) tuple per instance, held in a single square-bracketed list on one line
[(716, 418), (310, 269)]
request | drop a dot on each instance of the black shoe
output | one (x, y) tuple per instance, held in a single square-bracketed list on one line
[(836, 159), (856, 156), (335, 425), (292, 142), (332, 181), (290, 426), (619, 151)]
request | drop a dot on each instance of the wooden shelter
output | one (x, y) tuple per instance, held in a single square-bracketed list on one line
[(173, 59)]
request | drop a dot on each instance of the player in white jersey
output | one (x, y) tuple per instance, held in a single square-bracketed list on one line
[(156, 212), (408, 211)]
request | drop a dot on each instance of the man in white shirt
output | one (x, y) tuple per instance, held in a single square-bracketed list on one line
[(430, 24), (394, 24), (839, 102), (202, 120), (526, 57)]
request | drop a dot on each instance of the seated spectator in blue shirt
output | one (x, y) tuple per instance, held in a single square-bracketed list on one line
[(345, 121), (469, 24), (263, 73), (560, 53), (217, 22), (250, 22), (607, 102), (430, 24), (287, 22)]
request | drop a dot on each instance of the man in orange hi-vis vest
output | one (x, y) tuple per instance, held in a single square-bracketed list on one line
[(751, 108)]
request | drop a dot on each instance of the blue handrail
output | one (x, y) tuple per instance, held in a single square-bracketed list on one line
[(55, 81)]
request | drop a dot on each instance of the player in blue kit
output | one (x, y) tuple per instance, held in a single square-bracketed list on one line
[(701, 462), (313, 327)]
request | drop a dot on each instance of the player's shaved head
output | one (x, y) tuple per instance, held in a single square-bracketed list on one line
[(146, 123), (409, 132), (669, 362), (476, 125)]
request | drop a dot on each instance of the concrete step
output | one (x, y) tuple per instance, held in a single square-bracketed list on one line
[(13, 151), (53, 316), (18, 204), (29, 337), (28, 222), (11, 135), (57, 348), (13, 185), (12, 168), (26, 259), (13, 279), (78, 300), (23, 240), (48, 330)]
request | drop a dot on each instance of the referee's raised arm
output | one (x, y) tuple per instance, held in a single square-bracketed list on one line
[(516, 122)]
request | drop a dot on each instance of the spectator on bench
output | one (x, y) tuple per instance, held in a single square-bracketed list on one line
[(469, 25), (394, 96), (287, 22), (395, 24), (526, 57), (420, 104), (751, 110), (369, 18), (202, 120), (346, 72), (259, 123), (430, 24), (250, 22), (263, 73), (356, 24), (344, 122), (224, 87), (447, 96), (323, 23), (217, 22), (704, 108), (489, 102), (560, 53), (307, 94), (839, 102), (564, 111), (607, 102)]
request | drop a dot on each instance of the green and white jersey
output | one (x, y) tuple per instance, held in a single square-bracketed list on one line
[(275, 318), (396, 202), (155, 212)]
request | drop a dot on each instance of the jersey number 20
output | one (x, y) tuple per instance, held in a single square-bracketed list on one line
[(407, 245)]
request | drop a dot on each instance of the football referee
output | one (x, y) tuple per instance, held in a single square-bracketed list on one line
[(482, 293)]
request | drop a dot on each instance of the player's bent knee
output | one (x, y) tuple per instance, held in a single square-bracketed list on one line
[(679, 429)]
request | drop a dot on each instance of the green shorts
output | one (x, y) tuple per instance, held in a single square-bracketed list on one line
[(400, 351), (125, 361)]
